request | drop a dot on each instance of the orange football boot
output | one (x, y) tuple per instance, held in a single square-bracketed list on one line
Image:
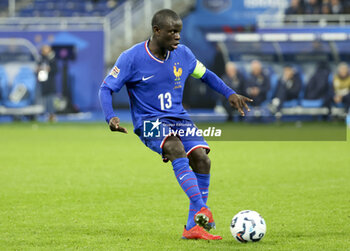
[(204, 218), (198, 232)]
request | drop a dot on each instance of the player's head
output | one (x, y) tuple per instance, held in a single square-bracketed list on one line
[(166, 26)]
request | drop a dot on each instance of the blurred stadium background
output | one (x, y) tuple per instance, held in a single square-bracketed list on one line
[(309, 37)]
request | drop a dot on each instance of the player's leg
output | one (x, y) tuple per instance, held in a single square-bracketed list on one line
[(173, 150), (200, 163), (196, 149)]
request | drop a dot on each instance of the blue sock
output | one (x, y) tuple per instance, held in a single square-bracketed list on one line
[(203, 184), (188, 182)]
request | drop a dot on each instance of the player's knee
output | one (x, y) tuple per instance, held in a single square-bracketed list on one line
[(201, 161), (204, 163), (173, 148)]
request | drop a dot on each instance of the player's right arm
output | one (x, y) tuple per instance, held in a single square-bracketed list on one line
[(118, 76)]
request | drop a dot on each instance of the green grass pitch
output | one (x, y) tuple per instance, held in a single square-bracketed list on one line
[(79, 186)]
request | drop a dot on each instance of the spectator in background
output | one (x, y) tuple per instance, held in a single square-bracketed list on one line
[(234, 79), (326, 9), (336, 7), (295, 8), (111, 4), (346, 6), (47, 69), (288, 87), (318, 85), (257, 85), (341, 85), (219, 62), (312, 7)]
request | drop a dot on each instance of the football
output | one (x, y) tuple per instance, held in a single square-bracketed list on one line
[(248, 226)]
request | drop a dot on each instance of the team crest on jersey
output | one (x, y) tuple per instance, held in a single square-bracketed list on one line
[(177, 72), (114, 72)]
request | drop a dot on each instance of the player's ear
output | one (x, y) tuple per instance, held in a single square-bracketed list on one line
[(156, 29)]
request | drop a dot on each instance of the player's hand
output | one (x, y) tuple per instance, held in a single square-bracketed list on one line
[(239, 102), (115, 127)]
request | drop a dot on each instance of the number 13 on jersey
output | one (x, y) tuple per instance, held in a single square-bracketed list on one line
[(165, 100)]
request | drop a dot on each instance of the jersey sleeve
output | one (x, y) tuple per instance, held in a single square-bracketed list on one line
[(120, 73)]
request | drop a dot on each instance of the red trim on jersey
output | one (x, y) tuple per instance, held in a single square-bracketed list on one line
[(153, 57)]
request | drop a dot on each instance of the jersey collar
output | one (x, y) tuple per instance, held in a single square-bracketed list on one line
[(153, 57)]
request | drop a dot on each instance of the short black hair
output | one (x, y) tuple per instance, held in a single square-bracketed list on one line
[(161, 17)]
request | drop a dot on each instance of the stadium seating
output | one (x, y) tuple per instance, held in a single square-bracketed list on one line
[(307, 103), (67, 8)]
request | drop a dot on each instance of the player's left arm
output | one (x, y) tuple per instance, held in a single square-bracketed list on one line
[(114, 81), (210, 78)]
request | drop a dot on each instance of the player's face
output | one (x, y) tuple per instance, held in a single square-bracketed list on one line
[(169, 34)]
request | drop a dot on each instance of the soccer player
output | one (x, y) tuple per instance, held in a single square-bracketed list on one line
[(154, 73)]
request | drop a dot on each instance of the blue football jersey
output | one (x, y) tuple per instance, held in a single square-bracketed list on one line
[(155, 86)]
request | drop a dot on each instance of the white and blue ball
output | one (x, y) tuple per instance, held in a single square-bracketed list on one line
[(248, 226)]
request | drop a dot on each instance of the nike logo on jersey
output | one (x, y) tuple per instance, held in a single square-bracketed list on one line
[(183, 176), (204, 192), (144, 79)]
